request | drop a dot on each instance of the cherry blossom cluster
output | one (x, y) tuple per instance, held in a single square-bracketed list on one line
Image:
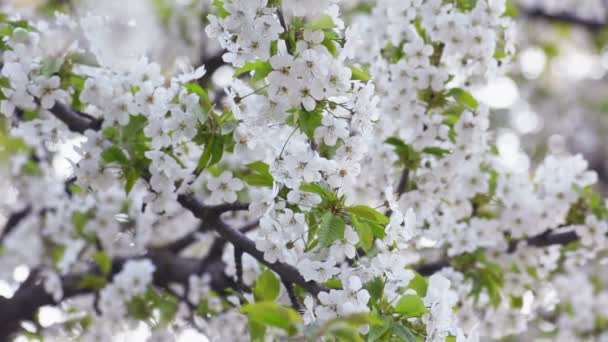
[(341, 157)]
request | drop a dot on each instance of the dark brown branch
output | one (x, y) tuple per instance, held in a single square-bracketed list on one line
[(212, 63), (13, 221), (239, 240), (238, 263), (76, 121), (545, 239), (295, 303), (30, 296), (537, 13)]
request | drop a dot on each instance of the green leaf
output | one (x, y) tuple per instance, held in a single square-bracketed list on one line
[(365, 232), (333, 283), (272, 314), (324, 22), (166, 304), (212, 153), (376, 289), (202, 94), (410, 306), (139, 308), (221, 11), (79, 220), (331, 229), (131, 175), (403, 333), (358, 74), (31, 168), (309, 121), (315, 188), (328, 42), (377, 332), (419, 284), (343, 332), (103, 261), (257, 331), (260, 69), (407, 154), (92, 281), (267, 287), (368, 213), (463, 97), (262, 175), (114, 154), (439, 152)]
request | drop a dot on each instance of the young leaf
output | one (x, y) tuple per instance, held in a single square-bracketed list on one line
[(358, 74), (368, 213), (439, 152), (272, 314), (323, 23), (92, 281), (267, 287), (262, 175), (410, 306), (419, 284), (463, 97), (103, 261), (331, 229), (365, 232), (114, 154), (260, 69), (309, 121)]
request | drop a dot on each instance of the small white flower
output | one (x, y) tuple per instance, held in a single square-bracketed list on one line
[(224, 188)]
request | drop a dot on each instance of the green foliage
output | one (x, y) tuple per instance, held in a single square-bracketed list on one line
[(410, 305), (259, 174), (593, 202), (436, 151), (267, 287), (358, 74), (129, 149), (329, 42), (324, 22), (308, 121), (212, 153), (331, 229), (387, 329), (486, 275), (220, 10), (328, 197), (342, 328), (93, 281), (273, 315), (419, 284), (259, 68), (195, 88), (375, 288), (465, 5), (103, 261), (368, 223), (408, 156), (463, 97), (153, 304), (114, 154), (511, 10), (79, 221)]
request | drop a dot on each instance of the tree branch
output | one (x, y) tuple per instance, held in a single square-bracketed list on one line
[(30, 296), (545, 239), (13, 221), (75, 120), (537, 13), (239, 240)]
